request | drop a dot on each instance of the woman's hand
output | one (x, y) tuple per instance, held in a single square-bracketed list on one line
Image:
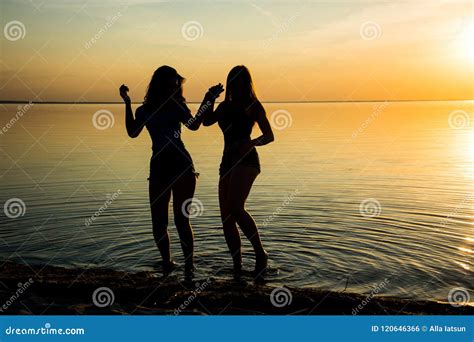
[(123, 90), (215, 91)]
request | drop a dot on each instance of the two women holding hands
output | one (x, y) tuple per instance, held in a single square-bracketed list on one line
[(163, 112)]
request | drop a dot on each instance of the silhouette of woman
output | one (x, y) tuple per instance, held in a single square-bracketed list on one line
[(171, 167), (240, 165)]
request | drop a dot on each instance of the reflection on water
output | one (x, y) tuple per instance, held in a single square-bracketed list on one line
[(357, 193)]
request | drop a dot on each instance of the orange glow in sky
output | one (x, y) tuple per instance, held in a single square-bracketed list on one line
[(297, 51)]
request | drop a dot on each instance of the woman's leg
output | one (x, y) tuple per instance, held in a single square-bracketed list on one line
[(183, 192), (241, 181), (160, 195), (231, 234)]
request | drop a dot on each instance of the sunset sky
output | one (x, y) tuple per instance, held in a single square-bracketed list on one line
[(81, 50)]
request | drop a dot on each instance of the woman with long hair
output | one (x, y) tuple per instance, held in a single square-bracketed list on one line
[(240, 165), (171, 167)]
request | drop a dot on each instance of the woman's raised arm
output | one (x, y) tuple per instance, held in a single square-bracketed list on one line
[(206, 108), (210, 116), (134, 126)]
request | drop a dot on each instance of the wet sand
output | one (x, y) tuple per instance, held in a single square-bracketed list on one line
[(47, 290)]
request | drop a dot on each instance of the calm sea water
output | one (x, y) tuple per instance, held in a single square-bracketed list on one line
[(360, 193)]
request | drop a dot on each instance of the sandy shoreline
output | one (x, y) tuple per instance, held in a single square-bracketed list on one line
[(51, 290)]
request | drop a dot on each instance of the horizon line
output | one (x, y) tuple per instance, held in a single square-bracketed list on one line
[(268, 101)]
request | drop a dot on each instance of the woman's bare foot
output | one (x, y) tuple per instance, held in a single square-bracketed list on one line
[(189, 271), (261, 262), (237, 259), (189, 267), (168, 267)]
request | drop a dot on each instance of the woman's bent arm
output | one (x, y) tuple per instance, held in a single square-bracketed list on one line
[(205, 110), (134, 127), (264, 125), (267, 133)]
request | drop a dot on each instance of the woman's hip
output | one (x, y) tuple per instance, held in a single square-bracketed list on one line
[(231, 160)]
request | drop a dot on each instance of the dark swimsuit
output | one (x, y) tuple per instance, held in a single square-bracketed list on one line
[(170, 159), (236, 125)]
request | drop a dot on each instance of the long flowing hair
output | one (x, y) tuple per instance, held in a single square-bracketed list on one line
[(239, 86), (240, 89), (165, 84)]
